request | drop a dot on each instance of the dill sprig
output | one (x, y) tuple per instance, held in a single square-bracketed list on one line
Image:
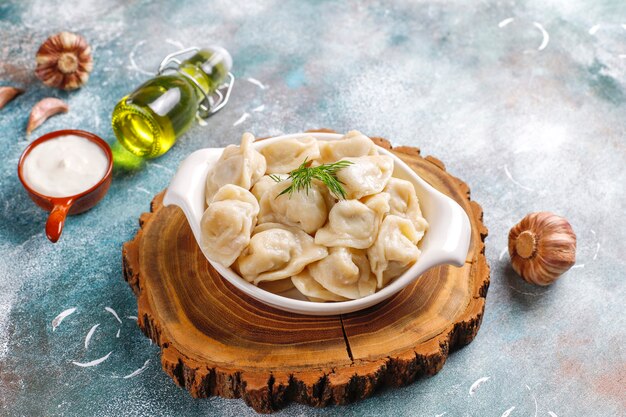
[(302, 177)]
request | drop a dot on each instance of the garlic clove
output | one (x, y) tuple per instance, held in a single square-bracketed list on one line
[(43, 110), (7, 94), (64, 61), (542, 247)]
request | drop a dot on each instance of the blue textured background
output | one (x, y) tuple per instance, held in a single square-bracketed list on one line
[(528, 130)]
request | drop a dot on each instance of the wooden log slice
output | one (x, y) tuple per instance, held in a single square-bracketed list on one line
[(216, 340)]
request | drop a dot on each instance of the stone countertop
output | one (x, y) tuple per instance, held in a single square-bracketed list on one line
[(523, 100)]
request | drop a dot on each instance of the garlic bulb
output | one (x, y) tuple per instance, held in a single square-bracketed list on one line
[(542, 247), (64, 61)]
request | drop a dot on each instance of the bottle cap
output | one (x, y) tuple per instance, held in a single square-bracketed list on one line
[(228, 60)]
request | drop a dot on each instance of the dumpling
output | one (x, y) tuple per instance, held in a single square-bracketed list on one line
[(366, 175), (305, 283), (277, 287), (404, 203), (286, 155), (240, 165), (353, 144), (276, 252), (227, 224), (346, 272), (306, 210), (395, 249), (262, 185), (353, 223)]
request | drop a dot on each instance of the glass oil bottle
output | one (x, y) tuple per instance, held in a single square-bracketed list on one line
[(149, 120)]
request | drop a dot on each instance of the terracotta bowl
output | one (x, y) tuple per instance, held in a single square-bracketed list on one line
[(60, 207)]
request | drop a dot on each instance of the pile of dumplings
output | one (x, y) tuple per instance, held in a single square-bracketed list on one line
[(329, 249)]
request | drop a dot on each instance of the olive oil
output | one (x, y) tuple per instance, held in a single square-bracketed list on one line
[(148, 121)]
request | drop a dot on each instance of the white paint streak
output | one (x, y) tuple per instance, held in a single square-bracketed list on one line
[(442, 414), (534, 398), (523, 292), (504, 251), (177, 44), (117, 335), (505, 22), (477, 384), (550, 412), (545, 34), (508, 412), (508, 174), (578, 266), (110, 310), (257, 83), (242, 119), (138, 371), (132, 318), (58, 319), (143, 190), (595, 255), (259, 108), (94, 362), (164, 168), (593, 29), (131, 58), (89, 334)]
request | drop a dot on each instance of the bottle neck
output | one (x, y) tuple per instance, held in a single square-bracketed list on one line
[(208, 67)]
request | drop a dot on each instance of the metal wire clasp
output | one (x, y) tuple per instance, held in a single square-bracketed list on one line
[(211, 104)]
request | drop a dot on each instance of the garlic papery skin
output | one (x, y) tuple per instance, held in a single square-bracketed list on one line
[(542, 247), (8, 93), (43, 110), (64, 61)]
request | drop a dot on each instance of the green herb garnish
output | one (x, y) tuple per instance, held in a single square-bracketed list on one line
[(302, 177)]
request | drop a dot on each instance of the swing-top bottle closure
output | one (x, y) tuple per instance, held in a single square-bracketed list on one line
[(210, 104)]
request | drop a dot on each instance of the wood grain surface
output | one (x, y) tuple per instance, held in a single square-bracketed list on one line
[(216, 340)]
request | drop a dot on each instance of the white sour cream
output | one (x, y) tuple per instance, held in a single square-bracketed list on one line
[(65, 166)]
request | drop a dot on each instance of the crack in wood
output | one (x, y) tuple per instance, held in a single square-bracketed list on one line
[(346, 340)]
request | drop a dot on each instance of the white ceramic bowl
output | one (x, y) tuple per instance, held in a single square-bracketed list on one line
[(445, 242)]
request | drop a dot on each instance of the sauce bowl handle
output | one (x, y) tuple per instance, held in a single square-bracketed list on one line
[(56, 220)]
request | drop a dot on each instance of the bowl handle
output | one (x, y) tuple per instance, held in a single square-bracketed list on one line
[(453, 249), (184, 189), (56, 219)]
